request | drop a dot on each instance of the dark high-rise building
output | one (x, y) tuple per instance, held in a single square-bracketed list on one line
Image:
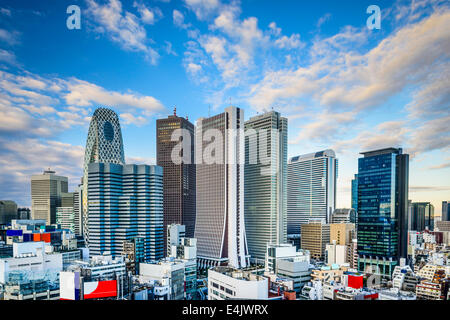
[(179, 177), (422, 216), (382, 209), (445, 211), (8, 211), (355, 193)]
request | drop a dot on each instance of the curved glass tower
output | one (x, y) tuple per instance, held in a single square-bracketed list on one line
[(104, 144)]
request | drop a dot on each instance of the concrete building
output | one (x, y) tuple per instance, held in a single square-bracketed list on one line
[(225, 283), (296, 269), (167, 272), (220, 221), (179, 177), (8, 211), (342, 233), (133, 250), (46, 192), (78, 210), (174, 234), (265, 182), (311, 188), (276, 252), (443, 226), (186, 251), (125, 202), (336, 254), (31, 261), (315, 235), (395, 294)]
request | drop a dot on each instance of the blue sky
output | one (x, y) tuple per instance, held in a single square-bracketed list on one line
[(341, 85)]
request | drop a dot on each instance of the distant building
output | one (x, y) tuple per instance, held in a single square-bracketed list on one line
[(344, 216), (445, 216), (186, 251), (336, 253), (315, 235), (225, 283), (133, 250), (179, 178), (78, 210), (8, 211), (311, 188), (23, 213), (46, 192), (443, 225), (422, 216)]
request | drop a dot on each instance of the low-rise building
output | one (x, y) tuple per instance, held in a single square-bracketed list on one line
[(225, 283)]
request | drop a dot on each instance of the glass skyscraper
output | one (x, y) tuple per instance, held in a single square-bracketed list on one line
[(265, 182), (422, 216), (355, 193), (125, 202), (104, 144), (311, 189), (382, 209)]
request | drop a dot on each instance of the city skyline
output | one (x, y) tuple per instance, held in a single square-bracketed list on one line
[(51, 81)]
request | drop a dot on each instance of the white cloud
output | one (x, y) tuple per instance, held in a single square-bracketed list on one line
[(122, 27), (128, 118)]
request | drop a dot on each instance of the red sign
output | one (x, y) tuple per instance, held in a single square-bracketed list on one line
[(100, 289)]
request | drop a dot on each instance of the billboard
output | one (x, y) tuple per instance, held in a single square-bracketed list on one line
[(100, 289)]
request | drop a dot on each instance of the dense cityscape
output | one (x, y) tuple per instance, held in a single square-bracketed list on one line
[(224, 158), (226, 217)]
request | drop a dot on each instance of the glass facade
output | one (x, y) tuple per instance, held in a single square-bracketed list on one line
[(382, 209), (355, 193)]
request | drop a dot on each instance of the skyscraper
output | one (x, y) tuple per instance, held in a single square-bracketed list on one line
[(422, 216), (8, 211), (355, 193), (445, 211), (125, 202), (382, 209), (265, 182), (78, 210), (311, 188), (46, 192), (219, 226), (64, 212), (179, 178), (104, 144)]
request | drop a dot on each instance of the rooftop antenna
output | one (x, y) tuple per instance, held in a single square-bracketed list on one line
[(175, 110), (187, 118)]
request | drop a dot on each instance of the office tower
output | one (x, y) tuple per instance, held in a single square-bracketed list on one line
[(64, 213), (311, 188), (104, 144), (179, 177), (422, 216), (219, 226), (8, 211), (382, 209), (46, 192), (78, 210), (23, 213), (445, 211), (125, 201), (344, 216), (265, 182), (174, 234), (355, 193), (315, 237), (342, 233)]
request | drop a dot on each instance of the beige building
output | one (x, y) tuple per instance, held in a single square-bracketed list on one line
[(342, 233), (315, 235), (46, 192)]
